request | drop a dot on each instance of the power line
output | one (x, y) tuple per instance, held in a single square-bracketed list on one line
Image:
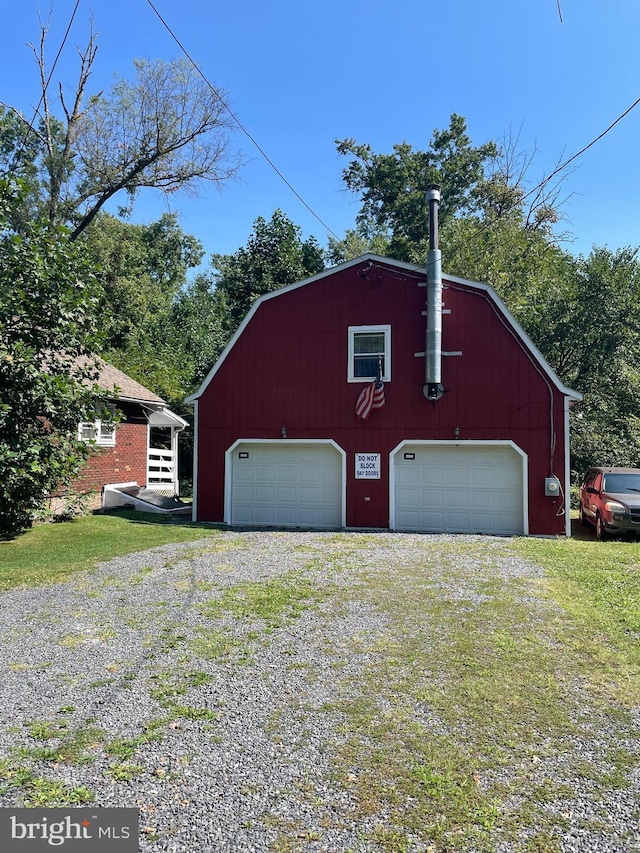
[(238, 122), (586, 148), (44, 93)]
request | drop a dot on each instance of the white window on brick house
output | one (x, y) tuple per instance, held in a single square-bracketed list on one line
[(368, 347), (102, 432)]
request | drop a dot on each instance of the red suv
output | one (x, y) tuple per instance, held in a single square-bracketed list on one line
[(610, 500)]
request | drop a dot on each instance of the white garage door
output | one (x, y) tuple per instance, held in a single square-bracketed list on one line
[(297, 485), (458, 489)]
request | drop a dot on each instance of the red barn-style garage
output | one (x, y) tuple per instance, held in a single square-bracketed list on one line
[(324, 411)]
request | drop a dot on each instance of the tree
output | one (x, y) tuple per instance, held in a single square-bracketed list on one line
[(275, 255), (143, 268), (165, 129), (48, 300), (199, 317), (485, 185), (356, 242), (392, 187), (591, 334)]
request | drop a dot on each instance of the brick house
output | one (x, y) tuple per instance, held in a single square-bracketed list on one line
[(141, 448)]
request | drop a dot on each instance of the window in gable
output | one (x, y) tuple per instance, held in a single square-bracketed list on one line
[(367, 346)]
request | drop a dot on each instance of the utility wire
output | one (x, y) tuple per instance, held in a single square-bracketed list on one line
[(43, 95), (239, 123), (586, 148)]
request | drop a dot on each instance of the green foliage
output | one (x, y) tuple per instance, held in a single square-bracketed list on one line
[(275, 255), (143, 270), (18, 156), (580, 312), (355, 243), (166, 128), (48, 300), (199, 316), (598, 316), (392, 186)]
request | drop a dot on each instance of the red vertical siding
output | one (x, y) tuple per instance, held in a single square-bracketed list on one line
[(289, 368)]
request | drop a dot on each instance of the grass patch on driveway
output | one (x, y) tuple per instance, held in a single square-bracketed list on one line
[(598, 585), (51, 552), (489, 704)]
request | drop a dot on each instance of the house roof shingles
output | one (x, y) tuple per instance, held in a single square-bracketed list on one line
[(123, 387), (113, 380)]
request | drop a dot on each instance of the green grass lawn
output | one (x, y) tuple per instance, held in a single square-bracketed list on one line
[(50, 552), (598, 585)]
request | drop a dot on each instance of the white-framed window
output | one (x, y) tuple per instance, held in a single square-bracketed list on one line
[(100, 431), (368, 346)]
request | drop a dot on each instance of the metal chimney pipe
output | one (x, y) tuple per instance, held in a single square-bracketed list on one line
[(433, 389), (433, 200)]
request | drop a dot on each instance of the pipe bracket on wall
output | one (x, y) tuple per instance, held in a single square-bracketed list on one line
[(433, 391)]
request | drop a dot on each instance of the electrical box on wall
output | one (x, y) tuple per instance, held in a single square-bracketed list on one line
[(551, 487)]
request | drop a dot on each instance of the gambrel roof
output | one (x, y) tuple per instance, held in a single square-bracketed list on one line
[(419, 272)]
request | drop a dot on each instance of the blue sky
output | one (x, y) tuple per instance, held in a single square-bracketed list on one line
[(300, 75)]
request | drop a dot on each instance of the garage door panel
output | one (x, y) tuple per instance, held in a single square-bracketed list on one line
[(432, 521), (507, 500), (286, 494), (286, 485), (458, 522), (244, 514), (408, 519), (264, 473), (264, 494), (431, 477), (435, 498), (326, 518), (331, 476), (285, 515), (483, 477), (456, 476), (484, 499), (244, 493), (505, 479), (262, 515), (308, 517), (475, 489), (408, 476), (457, 498), (286, 473), (407, 497)]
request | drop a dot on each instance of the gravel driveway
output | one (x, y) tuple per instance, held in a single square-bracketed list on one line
[(163, 680)]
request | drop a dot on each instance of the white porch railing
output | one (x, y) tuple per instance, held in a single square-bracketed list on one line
[(161, 470)]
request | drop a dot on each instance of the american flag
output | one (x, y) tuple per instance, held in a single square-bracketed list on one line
[(372, 397)]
